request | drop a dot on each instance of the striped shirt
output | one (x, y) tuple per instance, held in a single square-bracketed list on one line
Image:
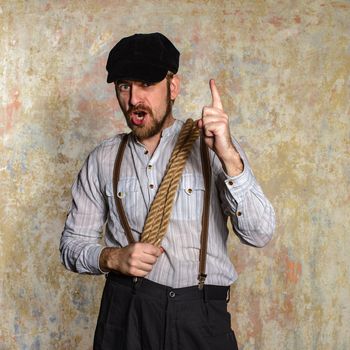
[(239, 198)]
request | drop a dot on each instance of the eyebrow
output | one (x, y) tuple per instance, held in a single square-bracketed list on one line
[(126, 81), (122, 82)]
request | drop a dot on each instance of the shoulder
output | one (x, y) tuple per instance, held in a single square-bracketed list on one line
[(107, 148), (99, 163)]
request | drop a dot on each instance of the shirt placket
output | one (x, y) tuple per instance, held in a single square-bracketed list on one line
[(151, 184), (147, 174), (151, 169)]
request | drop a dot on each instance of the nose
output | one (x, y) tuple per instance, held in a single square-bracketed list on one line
[(135, 96)]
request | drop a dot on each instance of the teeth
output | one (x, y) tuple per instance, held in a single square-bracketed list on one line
[(140, 115)]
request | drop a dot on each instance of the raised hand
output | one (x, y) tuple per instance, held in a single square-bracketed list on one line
[(216, 130)]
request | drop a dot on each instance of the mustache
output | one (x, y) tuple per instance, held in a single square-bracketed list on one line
[(138, 109)]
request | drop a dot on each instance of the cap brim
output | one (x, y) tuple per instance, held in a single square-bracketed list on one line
[(139, 72)]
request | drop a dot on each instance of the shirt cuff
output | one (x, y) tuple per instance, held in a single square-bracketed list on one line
[(98, 262), (240, 184), (88, 261)]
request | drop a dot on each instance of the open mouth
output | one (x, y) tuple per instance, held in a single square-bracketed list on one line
[(137, 117)]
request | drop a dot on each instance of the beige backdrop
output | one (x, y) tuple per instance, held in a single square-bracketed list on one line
[(282, 68)]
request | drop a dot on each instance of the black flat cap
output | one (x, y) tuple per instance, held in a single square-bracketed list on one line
[(143, 57)]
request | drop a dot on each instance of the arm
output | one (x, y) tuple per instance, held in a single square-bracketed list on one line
[(243, 200), (251, 213), (80, 246)]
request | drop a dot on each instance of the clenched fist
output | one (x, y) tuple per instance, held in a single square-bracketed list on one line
[(136, 259)]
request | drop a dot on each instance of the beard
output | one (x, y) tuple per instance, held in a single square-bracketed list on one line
[(154, 125)]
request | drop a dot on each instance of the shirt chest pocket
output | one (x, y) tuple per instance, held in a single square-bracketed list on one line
[(128, 190), (189, 198)]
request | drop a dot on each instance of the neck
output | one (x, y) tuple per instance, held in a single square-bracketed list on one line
[(151, 143)]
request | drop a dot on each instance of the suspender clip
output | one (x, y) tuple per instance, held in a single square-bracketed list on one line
[(228, 296), (201, 279)]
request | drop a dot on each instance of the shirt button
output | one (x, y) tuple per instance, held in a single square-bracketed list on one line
[(151, 186), (146, 152), (150, 166), (188, 190), (120, 194), (172, 294), (239, 213), (230, 183)]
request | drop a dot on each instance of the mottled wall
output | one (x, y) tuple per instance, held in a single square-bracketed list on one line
[(283, 70)]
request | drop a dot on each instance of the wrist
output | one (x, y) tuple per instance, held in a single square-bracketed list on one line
[(232, 163), (104, 259)]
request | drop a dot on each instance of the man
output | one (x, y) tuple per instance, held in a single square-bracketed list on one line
[(154, 297)]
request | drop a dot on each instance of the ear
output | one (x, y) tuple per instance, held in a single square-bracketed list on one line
[(174, 87)]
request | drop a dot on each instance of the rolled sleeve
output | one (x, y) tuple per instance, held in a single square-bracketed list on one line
[(240, 184), (243, 200), (80, 242)]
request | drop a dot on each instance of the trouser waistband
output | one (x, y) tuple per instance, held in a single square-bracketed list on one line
[(156, 290)]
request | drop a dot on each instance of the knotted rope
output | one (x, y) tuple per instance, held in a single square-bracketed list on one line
[(159, 215)]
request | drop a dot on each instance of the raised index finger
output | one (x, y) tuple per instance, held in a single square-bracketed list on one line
[(216, 100)]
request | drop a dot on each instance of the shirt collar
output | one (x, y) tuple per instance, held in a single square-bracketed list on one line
[(172, 129)]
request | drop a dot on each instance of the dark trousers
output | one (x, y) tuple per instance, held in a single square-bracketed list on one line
[(144, 315)]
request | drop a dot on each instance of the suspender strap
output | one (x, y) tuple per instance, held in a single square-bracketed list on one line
[(118, 201), (206, 169)]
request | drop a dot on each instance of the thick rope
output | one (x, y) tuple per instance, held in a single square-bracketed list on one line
[(159, 215)]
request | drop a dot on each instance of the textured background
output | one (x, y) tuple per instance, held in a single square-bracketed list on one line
[(283, 71)]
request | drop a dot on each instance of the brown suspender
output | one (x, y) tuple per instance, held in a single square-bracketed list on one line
[(118, 201), (206, 169)]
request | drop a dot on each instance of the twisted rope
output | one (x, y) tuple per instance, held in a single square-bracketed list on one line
[(159, 215)]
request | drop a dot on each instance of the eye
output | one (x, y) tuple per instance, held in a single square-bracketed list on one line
[(146, 84), (123, 87)]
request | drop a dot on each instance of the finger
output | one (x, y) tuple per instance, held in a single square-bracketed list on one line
[(209, 133), (140, 263), (139, 271), (152, 250), (144, 267), (216, 100), (216, 129), (211, 112), (148, 259), (147, 248)]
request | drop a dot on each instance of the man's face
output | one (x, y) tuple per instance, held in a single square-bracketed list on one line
[(146, 106)]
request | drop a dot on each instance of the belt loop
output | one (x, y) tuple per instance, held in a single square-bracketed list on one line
[(136, 283), (228, 295)]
